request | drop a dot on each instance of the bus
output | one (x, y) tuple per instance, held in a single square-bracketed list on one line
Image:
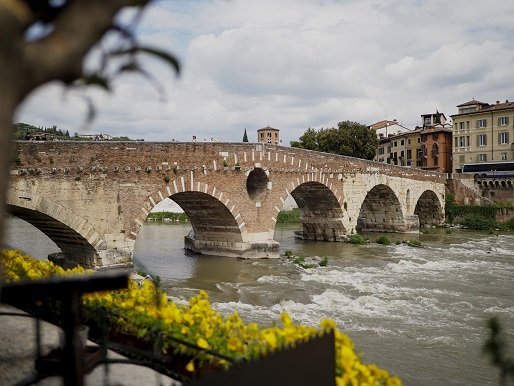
[(490, 169)]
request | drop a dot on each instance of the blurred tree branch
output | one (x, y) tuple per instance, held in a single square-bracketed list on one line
[(75, 27)]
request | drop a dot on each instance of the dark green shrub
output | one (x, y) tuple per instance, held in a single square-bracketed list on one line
[(478, 222), (358, 239), (383, 240), (414, 243)]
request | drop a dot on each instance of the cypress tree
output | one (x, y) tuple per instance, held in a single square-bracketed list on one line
[(245, 137)]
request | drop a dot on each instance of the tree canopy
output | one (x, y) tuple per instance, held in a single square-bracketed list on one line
[(348, 138)]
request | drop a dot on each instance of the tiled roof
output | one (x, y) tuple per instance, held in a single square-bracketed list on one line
[(381, 124), (268, 128), (471, 103)]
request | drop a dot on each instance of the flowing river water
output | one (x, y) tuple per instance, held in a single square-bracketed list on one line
[(418, 312)]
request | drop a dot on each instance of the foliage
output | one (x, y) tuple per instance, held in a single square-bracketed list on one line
[(166, 179), (348, 138), (414, 243), (383, 240), (358, 239), (324, 261), (167, 216), (495, 347), (245, 137), (289, 216), (478, 222), (288, 253), (144, 308)]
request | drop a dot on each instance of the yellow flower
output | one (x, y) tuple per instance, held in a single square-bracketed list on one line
[(190, 366), (202, 343), (234, 344)]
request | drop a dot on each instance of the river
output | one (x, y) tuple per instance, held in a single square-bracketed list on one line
[(418, 312)]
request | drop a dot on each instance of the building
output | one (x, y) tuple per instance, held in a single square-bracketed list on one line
[(482, 133), (426, 147), (388, 128), (399, 149), (269, 135), (435, 151)]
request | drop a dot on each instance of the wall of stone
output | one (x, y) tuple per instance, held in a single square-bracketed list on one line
[(110, 187)]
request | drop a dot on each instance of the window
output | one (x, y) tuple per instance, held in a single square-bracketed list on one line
[(467, 140), (402, 154), (461, 125), (503, 138), (262, 135), (503, 156), (408, 141), (402, 142), (482, 157), (503, 121), (380, 150), (419, 139), (482, 139), (462, 141), (395, 144), (409, 154), (428, 120), (467, 124), (481, 123)]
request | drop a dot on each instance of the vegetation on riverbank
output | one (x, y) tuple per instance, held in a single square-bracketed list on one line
[(143, 309), (289, 216), (167, 217), (477, 217)]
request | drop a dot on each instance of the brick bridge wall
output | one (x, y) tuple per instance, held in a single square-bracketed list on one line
[(92, 197)]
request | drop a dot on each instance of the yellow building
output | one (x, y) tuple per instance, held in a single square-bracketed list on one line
[(482, 133)]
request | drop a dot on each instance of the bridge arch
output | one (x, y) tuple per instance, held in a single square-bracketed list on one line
[(217, 225), (429, 209), (320, 208), (74, 235), (381, 211)]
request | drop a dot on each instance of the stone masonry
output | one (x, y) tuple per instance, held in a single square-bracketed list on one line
[(91, 198)]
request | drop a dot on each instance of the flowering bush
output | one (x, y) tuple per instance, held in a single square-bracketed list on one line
[(144, 308)]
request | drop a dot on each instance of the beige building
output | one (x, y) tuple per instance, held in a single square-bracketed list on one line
[(482, 133), (388, 128), (269, 135), (426, 147)]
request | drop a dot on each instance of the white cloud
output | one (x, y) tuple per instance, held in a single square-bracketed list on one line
[(296, 64)]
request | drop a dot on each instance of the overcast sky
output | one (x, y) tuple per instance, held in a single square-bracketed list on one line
[(295, 64)]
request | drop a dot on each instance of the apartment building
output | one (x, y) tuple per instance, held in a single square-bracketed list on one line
[(426, 147), (386, 128), (482, 132)]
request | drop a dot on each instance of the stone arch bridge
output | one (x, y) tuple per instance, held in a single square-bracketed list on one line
[(91, 198)]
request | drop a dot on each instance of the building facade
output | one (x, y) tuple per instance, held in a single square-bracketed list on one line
[(482, 132), (388, 128), (269, 135), (426, 147)]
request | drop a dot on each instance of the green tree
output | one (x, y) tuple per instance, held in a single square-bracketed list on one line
[(348, 138), (245, 136), (307, 141), (74, 28)]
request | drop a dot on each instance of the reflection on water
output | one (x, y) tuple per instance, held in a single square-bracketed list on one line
[(419, 312)]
